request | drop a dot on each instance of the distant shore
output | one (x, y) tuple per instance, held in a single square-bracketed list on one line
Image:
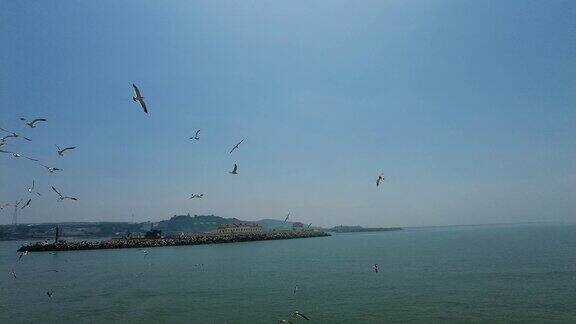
[(357, 229), (160, 242)]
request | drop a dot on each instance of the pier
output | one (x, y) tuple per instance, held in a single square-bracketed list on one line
[(173, 241)]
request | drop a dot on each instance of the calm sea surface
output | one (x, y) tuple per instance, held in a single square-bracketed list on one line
[(508, 273)]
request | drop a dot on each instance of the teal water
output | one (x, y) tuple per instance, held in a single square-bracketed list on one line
[(507, 273)]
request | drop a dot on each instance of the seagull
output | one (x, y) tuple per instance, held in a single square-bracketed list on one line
[(297, 313), (284, 321), (138, 97), (14, 274), (50, 293), (236, 146), (196, 136), (31, 189), (27, 204), (61, 151), (17, 155), (380, 179), (12, 134), (285, 219), (51, 169), (295, 289), (34, 121), (235, 171), (196, 196), (63, 197), (376, 267)]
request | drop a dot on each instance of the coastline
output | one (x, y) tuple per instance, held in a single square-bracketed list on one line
[(161, 242)]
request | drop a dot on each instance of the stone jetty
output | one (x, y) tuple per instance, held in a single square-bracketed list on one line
[(173, 241)]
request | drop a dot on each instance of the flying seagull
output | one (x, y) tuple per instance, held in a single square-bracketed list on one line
[(17, 155), (196, 136), (297, 313), (284, 321), (34, 121), (14, 274), (380, 179), (236, 146), (295, 289), (138, 97), (12, 134), (51, 169), (50, 293), (63, 197), (26, 204), (61, 151), (235, 170), (285, 219), (31, 189), (196, 196), (376, 267)]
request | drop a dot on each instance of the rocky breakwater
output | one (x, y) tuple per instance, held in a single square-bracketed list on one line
[(159, 242)]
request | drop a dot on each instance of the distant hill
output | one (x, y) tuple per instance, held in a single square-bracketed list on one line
[(195, 224)]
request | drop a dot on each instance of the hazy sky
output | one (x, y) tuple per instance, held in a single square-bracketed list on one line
[(467, 107)]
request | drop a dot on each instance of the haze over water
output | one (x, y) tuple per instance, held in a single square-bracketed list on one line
[(519, 273)]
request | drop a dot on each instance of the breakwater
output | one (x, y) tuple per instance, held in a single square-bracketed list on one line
[(174, 241)]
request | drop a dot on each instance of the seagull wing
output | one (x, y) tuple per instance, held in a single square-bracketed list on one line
[(29, 158), (302, 315), (68, 148), (143, 104), (136, 91), (37, 120), (59, 194), (71, 198), (236, 146), (27, 203), (197, 133)]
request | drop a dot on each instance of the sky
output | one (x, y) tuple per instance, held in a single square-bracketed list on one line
[(468, 108)]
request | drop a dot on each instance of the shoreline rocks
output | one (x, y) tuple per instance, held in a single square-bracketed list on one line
[(175, 241)]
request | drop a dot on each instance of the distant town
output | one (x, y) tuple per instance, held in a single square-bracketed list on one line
[(178, 225)]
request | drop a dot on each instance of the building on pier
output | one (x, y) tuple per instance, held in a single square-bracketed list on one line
[(239, 228)]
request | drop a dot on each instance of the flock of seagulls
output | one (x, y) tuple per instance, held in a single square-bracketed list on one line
[(7, 139), (139, 98)]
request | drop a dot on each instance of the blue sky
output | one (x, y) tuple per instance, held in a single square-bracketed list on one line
[(467, 107)]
